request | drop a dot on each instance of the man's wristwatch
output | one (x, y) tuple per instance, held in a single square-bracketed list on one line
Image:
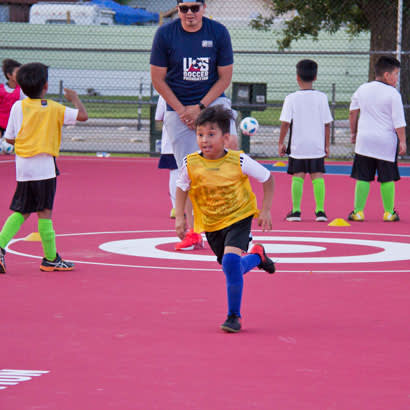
[(201, 106)]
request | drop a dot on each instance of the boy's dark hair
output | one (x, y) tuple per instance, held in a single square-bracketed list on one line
[(32, 78), (385, 64), (306, 70), (9, 65), (217, 114)]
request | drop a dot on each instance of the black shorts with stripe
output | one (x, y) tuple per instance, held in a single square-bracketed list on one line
[(236, 235), (306, 165), (365, 168), (34, 196)]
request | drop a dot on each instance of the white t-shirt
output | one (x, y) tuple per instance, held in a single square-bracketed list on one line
[(249, 167), (166, 146), (308, 111), (40, 166), (381, 112)]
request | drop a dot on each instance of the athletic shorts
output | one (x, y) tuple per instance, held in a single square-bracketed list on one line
[(183, 139), (306, 165), (237, 235), (34, 196), (2, 131), (167, 161), (364, 169)]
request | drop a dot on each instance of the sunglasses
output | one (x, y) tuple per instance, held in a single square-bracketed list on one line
[(194, 9)]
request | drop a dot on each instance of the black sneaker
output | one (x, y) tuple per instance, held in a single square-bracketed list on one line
[(266, 264), (321, 216), (232, 324), (56, 265), (2, 261), (293, 216)]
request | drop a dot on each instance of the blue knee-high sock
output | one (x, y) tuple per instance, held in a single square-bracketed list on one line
[(248, 262), (231, 265)]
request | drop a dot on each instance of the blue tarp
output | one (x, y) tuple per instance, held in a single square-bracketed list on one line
[(127, 15)]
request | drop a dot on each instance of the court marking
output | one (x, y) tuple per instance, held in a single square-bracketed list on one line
[(213, 258)]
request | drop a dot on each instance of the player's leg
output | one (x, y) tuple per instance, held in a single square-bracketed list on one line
[(318, 182), (20, 204), (388, 173), (364, 171), (296, 168)]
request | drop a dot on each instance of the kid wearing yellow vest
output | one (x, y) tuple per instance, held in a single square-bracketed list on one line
[(224, 204), (34, 128)]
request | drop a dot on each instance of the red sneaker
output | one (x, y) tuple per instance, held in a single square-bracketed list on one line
[(191, 241), (266, 264)]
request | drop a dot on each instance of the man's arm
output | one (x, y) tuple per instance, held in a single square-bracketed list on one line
[(158, 75), (353, 119)]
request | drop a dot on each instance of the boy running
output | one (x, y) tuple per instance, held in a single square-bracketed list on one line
[(224, 204), (35, 130)]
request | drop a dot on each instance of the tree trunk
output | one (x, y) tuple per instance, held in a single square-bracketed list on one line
[(384, 37)]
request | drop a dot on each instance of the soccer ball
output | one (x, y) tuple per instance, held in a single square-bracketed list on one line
[(6, 148), (249, 126)]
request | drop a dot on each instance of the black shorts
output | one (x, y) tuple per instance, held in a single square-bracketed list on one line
[(2, 131), (364, 169), (237, 235), (167, 161), (307, 166), (34, 196)]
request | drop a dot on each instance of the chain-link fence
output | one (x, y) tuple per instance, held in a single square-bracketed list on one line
[(103, 53)]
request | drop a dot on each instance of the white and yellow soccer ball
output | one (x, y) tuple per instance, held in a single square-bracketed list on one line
[(6, 148), (249, 126)]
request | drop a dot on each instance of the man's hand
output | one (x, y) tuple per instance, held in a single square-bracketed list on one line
[(189, 116)]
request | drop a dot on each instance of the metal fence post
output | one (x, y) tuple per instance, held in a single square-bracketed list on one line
[(60, 92), (332, 108)]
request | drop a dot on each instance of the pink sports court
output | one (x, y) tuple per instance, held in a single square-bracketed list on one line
[(136, 324)]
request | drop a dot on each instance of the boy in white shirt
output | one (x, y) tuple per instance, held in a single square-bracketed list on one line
[(379, 134), (34, 128), (306, 113)]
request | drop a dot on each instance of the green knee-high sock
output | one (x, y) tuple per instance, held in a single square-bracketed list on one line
[(297, 192), (387, 190), (48, 238), (360, 195), (319, 193), (10, 228)]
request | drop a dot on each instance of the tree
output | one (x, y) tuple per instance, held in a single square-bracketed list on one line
[(379, 17)]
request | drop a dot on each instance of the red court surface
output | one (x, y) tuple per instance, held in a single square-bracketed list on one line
[(136, 325)]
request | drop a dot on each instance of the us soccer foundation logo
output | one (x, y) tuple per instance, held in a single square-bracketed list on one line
[(196, 69)]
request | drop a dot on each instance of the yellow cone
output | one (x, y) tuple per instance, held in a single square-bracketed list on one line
[(339, 222), (33, 237), (279, 164)]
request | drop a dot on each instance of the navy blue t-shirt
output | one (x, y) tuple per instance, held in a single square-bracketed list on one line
[(191, 58)]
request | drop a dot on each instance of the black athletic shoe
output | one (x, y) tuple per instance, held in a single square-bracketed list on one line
[(321, 216), (293, 216), (232, 324), (56, 265), (266, 264), (2, 260)]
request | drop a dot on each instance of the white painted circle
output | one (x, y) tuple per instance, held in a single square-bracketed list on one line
[(147, 248)]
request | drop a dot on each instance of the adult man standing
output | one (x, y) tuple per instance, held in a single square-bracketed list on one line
[(191, 67)]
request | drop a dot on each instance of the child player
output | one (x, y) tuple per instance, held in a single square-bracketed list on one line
[(35, 130), (224, 204), (10, 92), (167, 159), (379, 134), (306, 113)]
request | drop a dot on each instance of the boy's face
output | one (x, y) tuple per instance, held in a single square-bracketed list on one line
[(211, 140), (392, 77)]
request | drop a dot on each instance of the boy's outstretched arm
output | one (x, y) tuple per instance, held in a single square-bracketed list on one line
[(284, 128), (265, 219), (353, 119), (72, 96), (327, 139), (180, 199)]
